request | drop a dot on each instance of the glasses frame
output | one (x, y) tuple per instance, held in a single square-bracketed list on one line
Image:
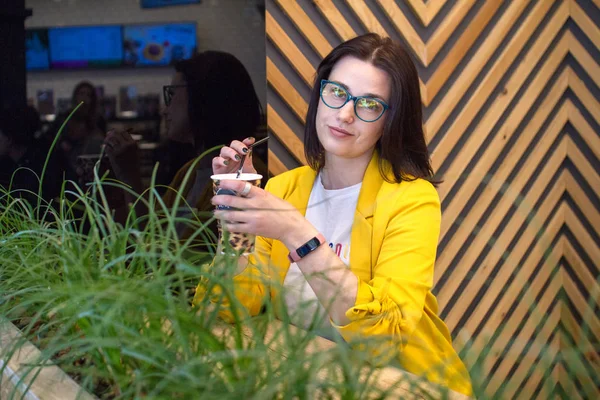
[(354, 98), (166, 96)]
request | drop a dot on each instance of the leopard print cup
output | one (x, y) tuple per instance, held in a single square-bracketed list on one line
[(237, 242), (85, 167)]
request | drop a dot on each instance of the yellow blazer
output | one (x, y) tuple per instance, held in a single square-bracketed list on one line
[(392, 251)]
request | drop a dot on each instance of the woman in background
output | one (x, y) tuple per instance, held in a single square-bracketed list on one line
[(85, 131), (211, 100)]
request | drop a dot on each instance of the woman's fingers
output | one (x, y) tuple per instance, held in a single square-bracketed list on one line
[(248, 141), (231, 154), (239, 147)]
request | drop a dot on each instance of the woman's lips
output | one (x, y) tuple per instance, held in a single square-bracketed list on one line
[(339, 132)]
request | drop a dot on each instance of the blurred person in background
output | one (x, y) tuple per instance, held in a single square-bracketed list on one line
[(211, 101), (22, 157), (85, 131)]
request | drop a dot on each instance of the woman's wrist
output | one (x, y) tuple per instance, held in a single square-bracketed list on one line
[(299, 235)]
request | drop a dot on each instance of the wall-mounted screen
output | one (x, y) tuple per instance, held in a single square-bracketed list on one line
[(36, 50), (166, 3), (158, 44), (85, 47)]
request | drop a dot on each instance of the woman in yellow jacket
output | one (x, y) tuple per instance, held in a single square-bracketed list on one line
[(358, 229)]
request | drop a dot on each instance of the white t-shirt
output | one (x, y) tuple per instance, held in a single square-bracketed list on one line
[(332, 213)]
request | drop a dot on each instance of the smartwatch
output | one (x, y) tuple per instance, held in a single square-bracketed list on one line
[(306, 248)]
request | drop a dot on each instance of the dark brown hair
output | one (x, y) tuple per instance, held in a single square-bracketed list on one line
[(402, 147), (91, 117), (222, 104)]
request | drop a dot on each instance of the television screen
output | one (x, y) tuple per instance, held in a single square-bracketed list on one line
[(85, 47), (158, 44), (165, 3), (36, 49)]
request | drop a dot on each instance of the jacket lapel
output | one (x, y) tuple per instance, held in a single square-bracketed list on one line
[(361, 255)]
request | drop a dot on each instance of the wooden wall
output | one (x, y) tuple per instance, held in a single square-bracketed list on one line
[(511, 93)]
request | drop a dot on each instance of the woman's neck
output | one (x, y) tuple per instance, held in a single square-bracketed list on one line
[(340, 173)]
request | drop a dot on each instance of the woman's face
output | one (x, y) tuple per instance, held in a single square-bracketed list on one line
[(341, 133), (84, 94), (176, 113)]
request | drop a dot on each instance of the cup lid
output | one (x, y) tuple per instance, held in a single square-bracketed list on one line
[(243, 177)]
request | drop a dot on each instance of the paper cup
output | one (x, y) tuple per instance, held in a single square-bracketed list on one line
[(85, 167), (234, 242)]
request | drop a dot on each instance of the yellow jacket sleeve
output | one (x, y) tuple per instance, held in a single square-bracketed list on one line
[(392, 302)]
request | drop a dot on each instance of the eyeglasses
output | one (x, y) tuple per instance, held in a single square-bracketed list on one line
[(169, 92), (366, 108)]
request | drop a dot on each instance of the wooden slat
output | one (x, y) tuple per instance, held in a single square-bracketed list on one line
[(482, 167), (591, 104), (540, 373), (522, 215), (335, 19), (585, 23), (514, 259), (522, 339), (426, 12), (567, 383), (583, 202), (493, 187), (550, 382), (285, 135), (404, 27), (581, 303), (573, 355), (589, 64), (490, 81), (463, 44), (50, 383), (420, 10), (590, 138), (284, 88), (289, 50), (276, 167), (366, 17), (306, 26), (585, 168), (446, 28)]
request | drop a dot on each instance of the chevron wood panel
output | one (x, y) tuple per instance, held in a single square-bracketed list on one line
[(511, 93)]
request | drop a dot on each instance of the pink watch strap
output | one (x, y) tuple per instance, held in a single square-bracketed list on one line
[(306, 248)]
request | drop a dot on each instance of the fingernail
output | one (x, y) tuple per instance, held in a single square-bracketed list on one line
[(245, 149), (251, 138), (226, 162), (237, 157)]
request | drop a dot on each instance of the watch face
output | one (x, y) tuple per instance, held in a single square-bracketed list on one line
[(311, 245)]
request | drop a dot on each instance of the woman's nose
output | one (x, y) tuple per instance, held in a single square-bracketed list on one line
[(346, 113)]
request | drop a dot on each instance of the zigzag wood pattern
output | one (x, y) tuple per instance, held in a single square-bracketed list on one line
[(511, 92)]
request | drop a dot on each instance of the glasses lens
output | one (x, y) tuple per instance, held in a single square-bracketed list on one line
[(334, 95), (369, 109)]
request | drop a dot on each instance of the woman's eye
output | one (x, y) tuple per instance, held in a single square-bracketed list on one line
[(369, 104), (339, 92)]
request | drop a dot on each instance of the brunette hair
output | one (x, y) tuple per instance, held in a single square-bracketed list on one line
[(222, 104), (91, 118), (402, 147)]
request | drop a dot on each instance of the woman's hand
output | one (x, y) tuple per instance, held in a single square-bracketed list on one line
[(228, 161), (263, 214), (122, 152)]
